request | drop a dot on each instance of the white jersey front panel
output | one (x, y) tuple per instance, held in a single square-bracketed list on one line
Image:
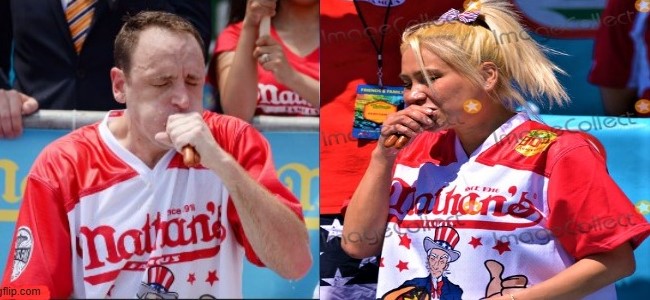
[(487, 223), (181, 249)]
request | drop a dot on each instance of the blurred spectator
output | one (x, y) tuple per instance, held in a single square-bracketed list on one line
[(46, 63), (276, 75), (350, 59), (620, 61)]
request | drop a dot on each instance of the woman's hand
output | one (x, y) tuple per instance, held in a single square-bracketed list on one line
[(256, 10), (271, 57), (407, 123)]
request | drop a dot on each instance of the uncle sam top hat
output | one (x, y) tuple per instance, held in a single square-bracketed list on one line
[(160, 278), (445, 238)]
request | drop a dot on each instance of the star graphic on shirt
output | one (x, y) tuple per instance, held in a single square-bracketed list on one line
[(475, 242), (367, 260), (381, 262), (502, 247), (405, 241), (642, 5), (334, 230), (642, 106), (472, 106), (643, 207), (212, 277), (191, 278), (402, 266), (337, 280)]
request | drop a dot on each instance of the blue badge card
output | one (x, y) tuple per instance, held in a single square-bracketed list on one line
[(372, 106)]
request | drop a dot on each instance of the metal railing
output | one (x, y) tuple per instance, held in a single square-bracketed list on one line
[(73, 119)]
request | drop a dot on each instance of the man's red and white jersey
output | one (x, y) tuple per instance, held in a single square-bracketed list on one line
[(97, 222), (528, 203)]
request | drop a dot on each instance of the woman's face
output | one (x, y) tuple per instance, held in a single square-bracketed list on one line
[(454, 99)]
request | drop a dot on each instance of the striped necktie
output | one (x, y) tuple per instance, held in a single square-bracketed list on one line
[(79, 14)]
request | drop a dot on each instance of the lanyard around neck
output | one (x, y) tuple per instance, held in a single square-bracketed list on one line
[(379, 48)]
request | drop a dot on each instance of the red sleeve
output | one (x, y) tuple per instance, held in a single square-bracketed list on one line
[(253, 153), (40, 249), (589, 213), (227, 40)]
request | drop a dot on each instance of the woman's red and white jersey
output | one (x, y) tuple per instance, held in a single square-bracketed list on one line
[(525, 205), (273, 97), (97, 222)]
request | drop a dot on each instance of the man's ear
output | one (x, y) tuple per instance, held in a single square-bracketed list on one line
[(490, 73), (118, 80)]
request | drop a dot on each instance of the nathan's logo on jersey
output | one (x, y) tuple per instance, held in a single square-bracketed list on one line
[(22, 251), (515, 207), (274, 101), (104, 244), (535, 142)]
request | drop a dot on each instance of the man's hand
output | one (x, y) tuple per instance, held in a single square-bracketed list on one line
[(14, 105), (188, 129)]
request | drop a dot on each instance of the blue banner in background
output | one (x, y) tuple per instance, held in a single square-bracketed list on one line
[(296, 160)]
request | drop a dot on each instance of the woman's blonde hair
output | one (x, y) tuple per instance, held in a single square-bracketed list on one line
[(523, 68)]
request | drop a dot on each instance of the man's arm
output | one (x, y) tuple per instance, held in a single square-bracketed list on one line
[(276, 234), (13, 104)]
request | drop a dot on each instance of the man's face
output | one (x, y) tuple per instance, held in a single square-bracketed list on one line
[(166, 77), (438, 262)]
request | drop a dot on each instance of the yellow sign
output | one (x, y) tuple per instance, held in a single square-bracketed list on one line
[(377, 111), (298, 178)]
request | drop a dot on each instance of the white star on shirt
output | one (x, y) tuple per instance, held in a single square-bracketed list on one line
[(337, 280), (334, 230)]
